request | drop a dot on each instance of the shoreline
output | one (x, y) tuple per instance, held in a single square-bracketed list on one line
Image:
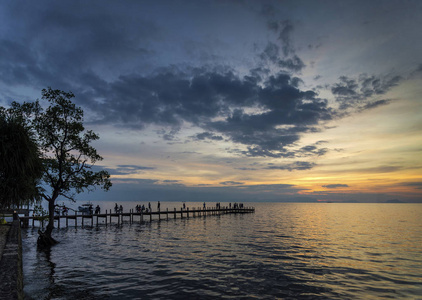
[(11, 275)]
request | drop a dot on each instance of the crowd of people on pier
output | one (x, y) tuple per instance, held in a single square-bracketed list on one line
[(148, 208), (236, 205), (118, 209), (145, 209), (63, 210)]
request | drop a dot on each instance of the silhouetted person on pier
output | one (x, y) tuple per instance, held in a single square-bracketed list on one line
[(184, 205), (91, 209), (204, 205), (230, 205), (121, 208), (97, 210), (158, 206), (116, 208), (149, 206)]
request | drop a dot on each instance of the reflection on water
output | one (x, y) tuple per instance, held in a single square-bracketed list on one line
[(296, 251)]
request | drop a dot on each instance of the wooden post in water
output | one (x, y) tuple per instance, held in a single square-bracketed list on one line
[(76, 219), (181, 213), (58, 221), (175, 212), (150, 216), (187, 212), (167, 213)]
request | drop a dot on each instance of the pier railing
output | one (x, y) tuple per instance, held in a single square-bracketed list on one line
[(132, 216)]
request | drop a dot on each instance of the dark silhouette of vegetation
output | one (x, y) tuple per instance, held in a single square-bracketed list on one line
[(20, 162), (67, 155)]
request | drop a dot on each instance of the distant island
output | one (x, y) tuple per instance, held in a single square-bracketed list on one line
[(394, 201)]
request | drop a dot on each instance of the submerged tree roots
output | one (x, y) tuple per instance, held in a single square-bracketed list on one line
[(44, 240)]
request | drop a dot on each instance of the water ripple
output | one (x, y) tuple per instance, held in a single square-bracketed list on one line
[(288, 251)]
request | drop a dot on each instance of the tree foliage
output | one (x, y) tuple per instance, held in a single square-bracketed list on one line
[(20, 163), (65, 144), (67, 154)]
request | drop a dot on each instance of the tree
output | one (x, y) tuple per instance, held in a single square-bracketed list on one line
[(20, 162), (67, 154)]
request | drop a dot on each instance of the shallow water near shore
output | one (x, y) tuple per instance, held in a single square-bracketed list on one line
[(283, 250)]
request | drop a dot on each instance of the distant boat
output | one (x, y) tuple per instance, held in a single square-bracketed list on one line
[(86, 208)]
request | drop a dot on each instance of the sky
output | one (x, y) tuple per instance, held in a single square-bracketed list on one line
[(232, 101)]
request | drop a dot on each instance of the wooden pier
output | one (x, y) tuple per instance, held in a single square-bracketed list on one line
[(110, 217)]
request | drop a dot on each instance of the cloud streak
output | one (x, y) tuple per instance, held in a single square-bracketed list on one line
[(335, 186)]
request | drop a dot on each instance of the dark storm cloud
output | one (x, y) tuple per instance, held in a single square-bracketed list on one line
[(357, 92), (207, 135), (280, 113), (335, 186), (169, 97), (66, 48), (100, 53)]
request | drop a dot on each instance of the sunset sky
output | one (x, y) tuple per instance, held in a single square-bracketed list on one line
[(232, 100)]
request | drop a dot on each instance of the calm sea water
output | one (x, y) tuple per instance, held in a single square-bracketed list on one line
[(285, 251)]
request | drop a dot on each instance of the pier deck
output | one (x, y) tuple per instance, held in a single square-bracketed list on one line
[(111, 217)]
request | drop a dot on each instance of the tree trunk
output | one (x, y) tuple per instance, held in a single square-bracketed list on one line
[(50, 225), (44, 238), (44, 241)]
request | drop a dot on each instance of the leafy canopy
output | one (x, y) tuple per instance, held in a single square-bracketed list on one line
[(66, 147), (20, 163)]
